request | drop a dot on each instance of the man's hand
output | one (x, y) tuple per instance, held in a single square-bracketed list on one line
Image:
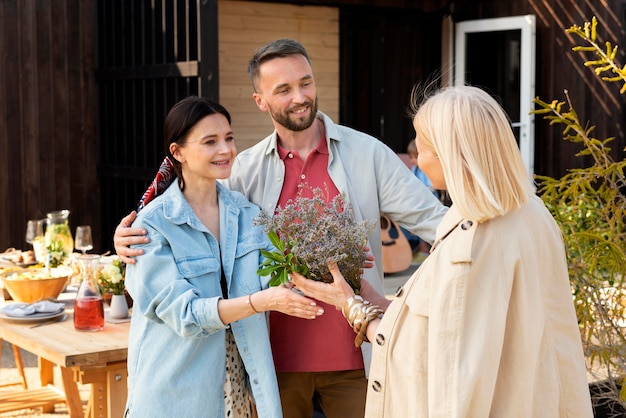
[(334, 293), (369, 258), (125, 236), (337, 292)]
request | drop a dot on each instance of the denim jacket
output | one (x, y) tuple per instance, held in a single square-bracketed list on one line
[(176, 353)]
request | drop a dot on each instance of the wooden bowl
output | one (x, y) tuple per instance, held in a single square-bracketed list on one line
[(32, 285)]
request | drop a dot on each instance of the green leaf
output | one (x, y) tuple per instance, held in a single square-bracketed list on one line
[(276, 242), (275, 281), (273, 255), (302, 269), (266, 271)]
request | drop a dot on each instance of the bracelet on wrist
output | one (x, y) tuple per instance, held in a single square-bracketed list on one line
[(249, 302), (359, 312)]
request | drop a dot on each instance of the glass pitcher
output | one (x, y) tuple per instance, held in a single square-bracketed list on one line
[(88, 306), (58, 237)]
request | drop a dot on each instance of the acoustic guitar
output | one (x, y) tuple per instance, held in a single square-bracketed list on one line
[(397, 254)]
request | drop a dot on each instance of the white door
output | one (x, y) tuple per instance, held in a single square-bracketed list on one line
[(499, 55)]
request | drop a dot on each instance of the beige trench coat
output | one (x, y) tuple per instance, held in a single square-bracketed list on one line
[(485, 328)]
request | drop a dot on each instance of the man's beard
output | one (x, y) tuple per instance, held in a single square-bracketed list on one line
[(284, 119)]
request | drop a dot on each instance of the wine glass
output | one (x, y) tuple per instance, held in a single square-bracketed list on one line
[(83, 240), (34, 229)]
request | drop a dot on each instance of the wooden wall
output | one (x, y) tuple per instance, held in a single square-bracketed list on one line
[(243, 27), (150, 56), (48, 114), (559, 69)]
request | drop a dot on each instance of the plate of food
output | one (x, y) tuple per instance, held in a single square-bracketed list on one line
[(18, 257)]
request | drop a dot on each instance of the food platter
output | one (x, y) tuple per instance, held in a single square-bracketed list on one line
[(24, 265), (18, 257)]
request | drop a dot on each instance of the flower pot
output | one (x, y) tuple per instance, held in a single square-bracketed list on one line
[(107, 298), (119, 307)]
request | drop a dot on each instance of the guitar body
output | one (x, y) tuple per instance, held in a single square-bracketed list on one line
[(397, 254)]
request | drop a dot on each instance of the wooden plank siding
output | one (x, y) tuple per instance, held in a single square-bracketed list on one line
[(559, 69), (246, 25), (85, 84), (151, 55), (48, 141)]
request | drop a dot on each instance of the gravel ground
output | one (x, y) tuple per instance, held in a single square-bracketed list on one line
[(9, 373)]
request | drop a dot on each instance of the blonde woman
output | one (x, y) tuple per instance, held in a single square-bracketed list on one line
[(486, 327)]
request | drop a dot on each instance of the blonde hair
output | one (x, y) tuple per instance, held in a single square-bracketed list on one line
[(472, 137)]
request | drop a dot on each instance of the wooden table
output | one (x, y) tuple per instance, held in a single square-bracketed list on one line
[(95, 358)]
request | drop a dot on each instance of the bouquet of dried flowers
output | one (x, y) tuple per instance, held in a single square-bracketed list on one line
[(111, 277), (307, 232)]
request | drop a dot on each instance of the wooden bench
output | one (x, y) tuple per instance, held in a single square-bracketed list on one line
[(46, 396)]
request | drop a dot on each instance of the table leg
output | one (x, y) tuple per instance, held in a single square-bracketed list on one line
[(17, 355), (46, 377), (117, 384), (74, 403), (109, 389), (97, 407), (46, 371)]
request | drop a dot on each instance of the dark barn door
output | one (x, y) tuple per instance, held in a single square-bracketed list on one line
[(384, 52), (151, 54)]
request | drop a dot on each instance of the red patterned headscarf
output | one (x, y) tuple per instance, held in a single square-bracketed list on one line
[(164, 177)]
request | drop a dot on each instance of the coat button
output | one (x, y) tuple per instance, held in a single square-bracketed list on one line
[(399, 291), (466, 225), (377, 386), (380, 339)]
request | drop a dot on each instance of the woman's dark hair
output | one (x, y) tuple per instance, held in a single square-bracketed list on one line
[(181, 118)]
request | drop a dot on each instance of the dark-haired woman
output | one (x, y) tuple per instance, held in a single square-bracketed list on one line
[(199, 344)]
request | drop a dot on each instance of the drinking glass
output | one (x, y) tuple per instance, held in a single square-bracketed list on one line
[(34, 229), (35, 237), (83, 241)]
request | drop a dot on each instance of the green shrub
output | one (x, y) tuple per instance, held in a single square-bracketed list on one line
[(589, 204)]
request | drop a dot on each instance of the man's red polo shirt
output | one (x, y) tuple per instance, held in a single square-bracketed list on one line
[(327, 342)]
